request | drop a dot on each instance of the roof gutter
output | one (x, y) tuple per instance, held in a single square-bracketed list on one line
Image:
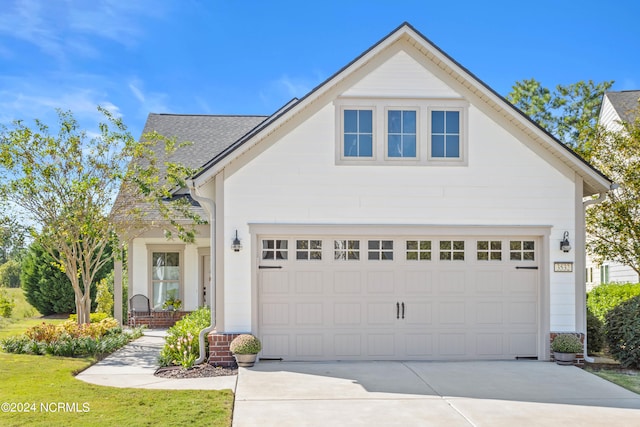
[(601, 198), (211, 207)]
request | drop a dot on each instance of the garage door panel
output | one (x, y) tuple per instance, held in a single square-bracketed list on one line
[(489, 282), (275, 345), (275, 314), (418, 345), (348, 345), (347, 282), (489, 344), (523, 313), (490, 313), (419, 313), (452, 344), (381, 282), (381, 313), (310, 345), (275, 282), (381, 344), (347, 314), (523, 344), (523, 282), (418, 283), (451, 282), (309, 282), (309, 314), (452, 313)]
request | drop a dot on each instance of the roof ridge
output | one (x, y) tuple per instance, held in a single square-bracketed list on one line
[(208, 115)]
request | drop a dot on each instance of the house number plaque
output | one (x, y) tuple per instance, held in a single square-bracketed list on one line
[(563, 267)]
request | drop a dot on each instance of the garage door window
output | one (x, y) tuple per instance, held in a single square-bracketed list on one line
[(452, 250), (309, 249), (380, 250), (346, 250), (489, 250), (522, 250), (275, 249), (419, 250)]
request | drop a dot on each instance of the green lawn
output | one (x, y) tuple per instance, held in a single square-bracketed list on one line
[(42, 391), (630, 381), (41, 383)]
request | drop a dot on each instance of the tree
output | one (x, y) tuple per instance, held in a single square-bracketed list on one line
[(10, 274), (570, 112), (46, 287), (65, 184), (12, 239), (613, 226)]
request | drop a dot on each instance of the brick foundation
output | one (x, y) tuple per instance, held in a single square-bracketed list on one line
[(579, 361), (158, 319), (219, 354)]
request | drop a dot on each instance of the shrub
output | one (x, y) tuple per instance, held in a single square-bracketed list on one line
[(245, 344), (6, 304), (595, 333), (10, 274), (181, 345), (605, 297), (93, 317), (622, 327), (566, 343), (104, 295)]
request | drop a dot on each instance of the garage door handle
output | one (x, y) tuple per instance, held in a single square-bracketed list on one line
[(397, 310), (268, 267), (403, 310), (526, 268)]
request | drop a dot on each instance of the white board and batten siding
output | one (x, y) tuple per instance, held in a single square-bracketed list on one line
[(296, 180)]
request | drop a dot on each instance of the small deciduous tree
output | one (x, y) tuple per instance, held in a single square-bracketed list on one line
[(613, 226), (65, 184)]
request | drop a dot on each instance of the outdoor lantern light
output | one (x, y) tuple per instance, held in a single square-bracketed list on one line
[(565, 246), (236, 245)]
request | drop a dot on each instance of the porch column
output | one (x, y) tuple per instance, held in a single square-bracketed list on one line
[(117, 289)]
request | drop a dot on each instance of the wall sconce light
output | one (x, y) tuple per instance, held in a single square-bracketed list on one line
[(565, 246), (236, 245)]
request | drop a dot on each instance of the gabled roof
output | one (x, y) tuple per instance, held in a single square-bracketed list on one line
[(625, 103), (594, 180)]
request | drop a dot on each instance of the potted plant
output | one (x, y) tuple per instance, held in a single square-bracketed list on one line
[(565, 347), (172, 303), (245, 349)]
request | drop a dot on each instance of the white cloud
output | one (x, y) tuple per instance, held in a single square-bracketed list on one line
[(155, 102)]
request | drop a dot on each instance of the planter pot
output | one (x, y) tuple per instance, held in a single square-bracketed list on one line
[(245, 360), (564, 358)]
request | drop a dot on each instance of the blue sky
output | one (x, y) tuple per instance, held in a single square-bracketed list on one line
[(250, 57)]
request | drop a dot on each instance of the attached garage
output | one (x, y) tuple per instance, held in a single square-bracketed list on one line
[(386, 297)]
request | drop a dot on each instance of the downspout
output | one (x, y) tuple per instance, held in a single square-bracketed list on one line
[(211, 205), (601, 198)]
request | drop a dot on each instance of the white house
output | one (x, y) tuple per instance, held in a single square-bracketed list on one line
[(400, 210), (617, 107)]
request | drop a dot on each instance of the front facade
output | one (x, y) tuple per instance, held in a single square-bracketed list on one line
[(401, 210)]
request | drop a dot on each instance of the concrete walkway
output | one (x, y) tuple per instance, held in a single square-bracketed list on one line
[(134, 365)]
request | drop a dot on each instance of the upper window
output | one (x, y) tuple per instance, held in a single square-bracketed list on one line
[(445, 134), (401, 133), (275, 249), (358, 133)]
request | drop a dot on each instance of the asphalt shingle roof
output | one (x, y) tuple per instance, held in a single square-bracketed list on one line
[(626, 103)]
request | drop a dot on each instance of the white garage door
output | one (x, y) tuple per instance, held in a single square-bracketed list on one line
[(377, 298)]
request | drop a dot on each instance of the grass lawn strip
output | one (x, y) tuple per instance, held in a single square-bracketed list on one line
[(630, 381), (40, 383)]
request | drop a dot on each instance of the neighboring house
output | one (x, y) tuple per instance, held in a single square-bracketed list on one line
[(400, 210), (617, 107)]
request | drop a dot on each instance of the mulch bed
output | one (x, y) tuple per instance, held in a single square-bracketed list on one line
[(199, 371)]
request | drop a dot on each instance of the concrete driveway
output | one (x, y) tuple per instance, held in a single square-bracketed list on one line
[(505, 393)]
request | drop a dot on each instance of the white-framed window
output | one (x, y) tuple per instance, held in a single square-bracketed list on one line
[(346, 250), (445, 135), (489, 250), (309, 250), (165, 275), (451, 250), (604, 274), (275, 249), (380, 250), (522, 250), (357, 139), (418, 250), (402, 133)]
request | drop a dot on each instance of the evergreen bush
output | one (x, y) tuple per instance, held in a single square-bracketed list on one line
[(622, 325), (605, 297)]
